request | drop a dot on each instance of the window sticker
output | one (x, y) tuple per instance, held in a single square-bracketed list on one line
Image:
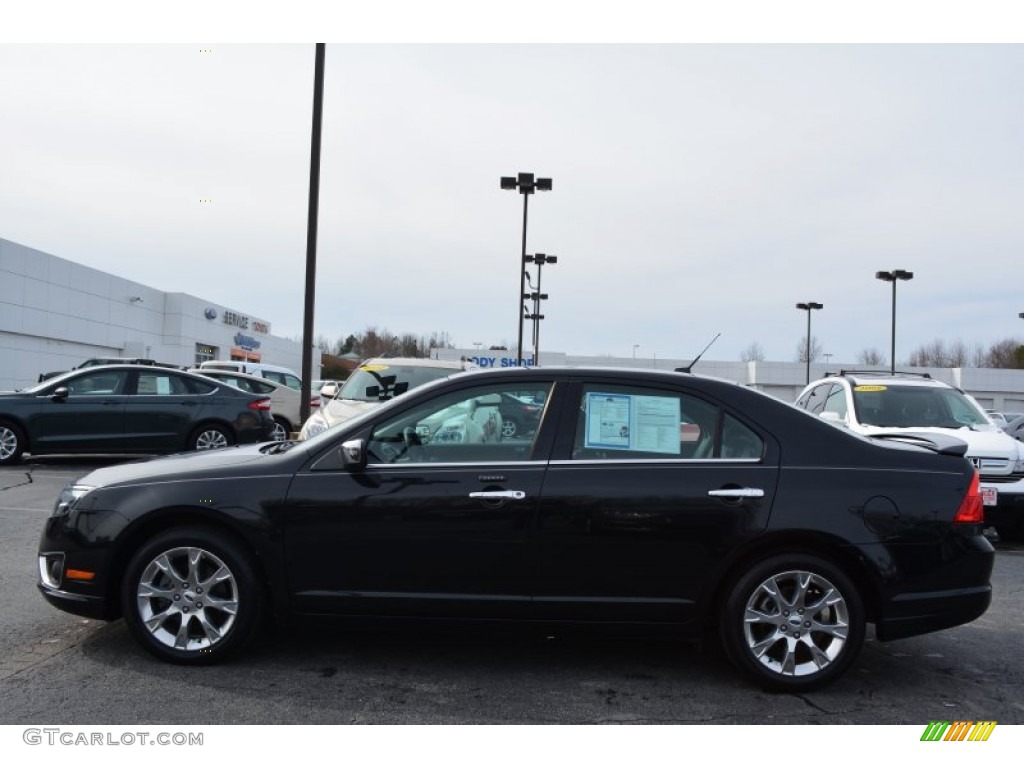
[(632, 423), (870, 388)]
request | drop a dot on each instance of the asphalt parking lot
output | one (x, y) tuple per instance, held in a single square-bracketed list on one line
[(59, 668)]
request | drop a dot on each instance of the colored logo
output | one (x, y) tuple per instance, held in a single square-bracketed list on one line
[(961, 730), (210, 313)]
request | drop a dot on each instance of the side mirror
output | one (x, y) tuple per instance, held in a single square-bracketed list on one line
[(329, 391), (353, 455), (60, 393)]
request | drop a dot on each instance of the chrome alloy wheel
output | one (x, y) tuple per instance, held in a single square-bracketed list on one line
[(796, 623), (8, 443), (187, 599), (211, 438)]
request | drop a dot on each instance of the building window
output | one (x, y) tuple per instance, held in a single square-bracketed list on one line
[(205, 352)]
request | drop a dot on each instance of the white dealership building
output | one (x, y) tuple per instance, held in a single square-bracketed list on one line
[(54, 314)]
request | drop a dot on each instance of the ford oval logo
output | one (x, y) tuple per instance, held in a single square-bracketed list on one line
[(211, 313)]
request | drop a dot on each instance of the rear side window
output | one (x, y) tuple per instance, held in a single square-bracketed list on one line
[(622, 422)]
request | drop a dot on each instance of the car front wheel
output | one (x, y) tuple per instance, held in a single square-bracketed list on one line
[(793, 623), (190, 596)]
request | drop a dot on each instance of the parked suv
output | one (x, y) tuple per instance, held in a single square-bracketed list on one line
[(375, 381), (874, 403)]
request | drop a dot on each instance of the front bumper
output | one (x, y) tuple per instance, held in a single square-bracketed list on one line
[(90, 606)]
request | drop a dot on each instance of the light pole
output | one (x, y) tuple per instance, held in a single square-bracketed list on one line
[(808, 306), (892, 277), (540, 259), (634, 350), (526, 184)]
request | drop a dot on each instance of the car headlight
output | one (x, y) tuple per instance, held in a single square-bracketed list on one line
[(70, 496), (314, 425)]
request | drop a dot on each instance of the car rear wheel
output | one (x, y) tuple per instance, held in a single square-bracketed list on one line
[(282, 429), (190, 596), (793, 622), (209, 436), (12, 443), (509, 427)]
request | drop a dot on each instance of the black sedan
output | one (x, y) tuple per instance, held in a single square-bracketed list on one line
[(652, 499), (128, 409)]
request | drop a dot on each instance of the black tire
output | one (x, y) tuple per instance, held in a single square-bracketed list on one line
[(811, 624), (179, 591), (12, 443), (207, 437), (282, 429)]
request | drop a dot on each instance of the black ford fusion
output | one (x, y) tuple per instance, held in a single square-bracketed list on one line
[(641, 498), (128, 409)]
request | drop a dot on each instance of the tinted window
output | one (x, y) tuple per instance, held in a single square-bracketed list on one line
[(161, 384), (97, 383), (634, 422), (465, 426)]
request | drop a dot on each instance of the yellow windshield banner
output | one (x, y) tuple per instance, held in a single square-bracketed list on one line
[(870, 388)]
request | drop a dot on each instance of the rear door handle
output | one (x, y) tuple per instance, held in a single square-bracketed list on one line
[(736, 493), (517, 495)]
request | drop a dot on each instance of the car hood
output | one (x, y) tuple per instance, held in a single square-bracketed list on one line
[(193, 464), (992, 443), (338, 411)]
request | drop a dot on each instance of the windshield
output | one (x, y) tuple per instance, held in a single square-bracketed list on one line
[(902, 406), (374, 383)]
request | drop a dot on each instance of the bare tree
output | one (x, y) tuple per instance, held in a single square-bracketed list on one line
[(753, 353), (801, 350), (870, 356), (1008, 353), (940, 354)]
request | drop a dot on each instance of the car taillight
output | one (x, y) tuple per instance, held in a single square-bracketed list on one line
[(260, 405), (314, 402), (971, 509)]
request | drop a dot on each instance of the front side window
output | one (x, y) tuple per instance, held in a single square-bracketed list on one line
[(458, 427), (621, 422), (97, 383)]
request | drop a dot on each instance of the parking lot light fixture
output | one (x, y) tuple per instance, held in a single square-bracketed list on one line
[(893, 277), (808, 306), (540, 259), (526, 183)]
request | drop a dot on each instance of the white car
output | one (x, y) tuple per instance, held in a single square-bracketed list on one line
[(882, 403), (285, 402), (374, 382)]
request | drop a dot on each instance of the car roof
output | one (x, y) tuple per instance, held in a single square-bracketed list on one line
[(218, 373), (858, 378)]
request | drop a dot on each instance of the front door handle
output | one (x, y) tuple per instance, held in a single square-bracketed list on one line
[(737, 493), (517, 495)]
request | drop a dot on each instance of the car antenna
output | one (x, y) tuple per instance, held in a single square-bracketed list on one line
[(689, 368)]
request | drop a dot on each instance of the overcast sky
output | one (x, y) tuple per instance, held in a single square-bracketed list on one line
[(697, 188)]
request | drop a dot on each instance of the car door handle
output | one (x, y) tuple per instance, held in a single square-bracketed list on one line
[(735, 493), (517, 495)]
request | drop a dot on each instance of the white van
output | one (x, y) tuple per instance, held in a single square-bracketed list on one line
[(276, 373)]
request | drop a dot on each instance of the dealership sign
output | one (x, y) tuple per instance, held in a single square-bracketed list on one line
[(501, 362)]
